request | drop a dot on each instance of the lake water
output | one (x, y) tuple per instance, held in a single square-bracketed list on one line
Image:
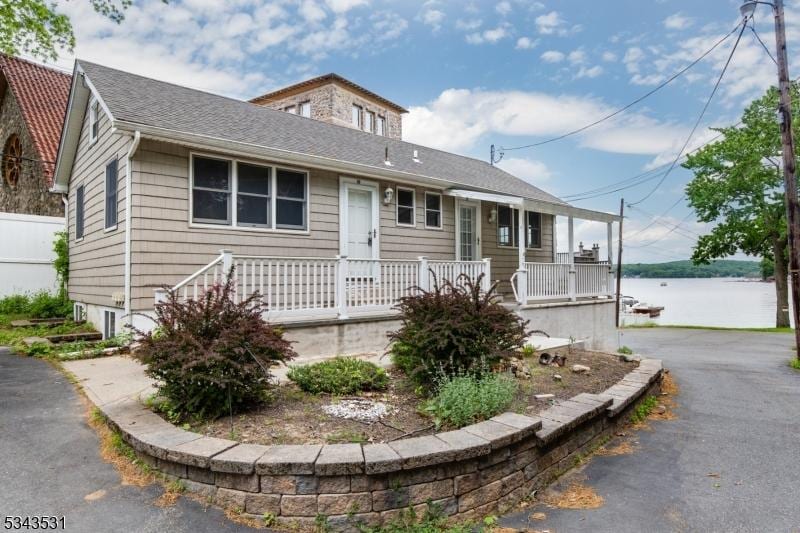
[(725, 302)]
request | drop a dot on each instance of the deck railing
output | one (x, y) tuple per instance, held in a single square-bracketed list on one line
[(557, 281), (309, 287)]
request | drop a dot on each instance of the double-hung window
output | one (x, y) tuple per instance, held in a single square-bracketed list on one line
[(211, 190), (266, 197), (380, 125), (111, 195), (406, 204), (369, 121), (355, 116), (433, 210), (291, 109), (533, 225), (94, 120), (79, 214), (253, 195), (507, 219), (305, 109)]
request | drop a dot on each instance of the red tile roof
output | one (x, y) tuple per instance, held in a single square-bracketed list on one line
[(42, 95)]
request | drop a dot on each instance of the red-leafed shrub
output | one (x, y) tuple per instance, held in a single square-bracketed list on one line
[(454, 328), (212, 355)]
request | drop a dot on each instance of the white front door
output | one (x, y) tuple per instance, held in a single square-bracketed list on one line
[(361, 234), (468, 231)]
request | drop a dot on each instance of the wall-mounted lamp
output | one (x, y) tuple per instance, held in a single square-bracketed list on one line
[(388, 194), (493, 215)]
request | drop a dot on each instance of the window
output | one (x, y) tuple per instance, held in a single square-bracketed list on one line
[(533, 220), (78, 312), (380, 126), (79, 213), (94, 120), (291, 109), (252, 196), (211, 190), (369, 121), (507, 219), (12, 160), (109, 324), (265, 196), (111, 195), (355, 116), (305, 109), (290, 195), (433, 210), (405, 207)]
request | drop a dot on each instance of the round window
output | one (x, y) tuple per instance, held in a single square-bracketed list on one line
[(12, 160)]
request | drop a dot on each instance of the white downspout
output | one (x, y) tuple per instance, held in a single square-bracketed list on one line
[(128, 216)]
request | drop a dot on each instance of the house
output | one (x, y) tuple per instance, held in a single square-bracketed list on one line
[(331, 224), (33, 100)]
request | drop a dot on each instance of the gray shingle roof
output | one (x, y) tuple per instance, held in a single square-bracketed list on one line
[(141, 100)]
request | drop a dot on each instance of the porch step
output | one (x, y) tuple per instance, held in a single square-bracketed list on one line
[(25, 323), (74, 337), (543, 344)]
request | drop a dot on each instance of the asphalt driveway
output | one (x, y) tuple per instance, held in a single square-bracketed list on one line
[(49, 462), (738, 418)]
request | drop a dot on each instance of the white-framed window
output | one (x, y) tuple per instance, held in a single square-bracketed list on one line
[(356, 116), (109, 324), (291, 109), (111, 195), (369, 121), (433, 210), (507, 218), (266, 197), (380, 125), (533, 224), (79, 212), (305, 109), (78, 312), (406, 207), (94, 120)]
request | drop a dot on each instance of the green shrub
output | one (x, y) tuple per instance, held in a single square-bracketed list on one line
[(452, 329), (46, 305), (795, 363), (341, 375), (212, 356), (624, 350), (16, 304), (470, 398)]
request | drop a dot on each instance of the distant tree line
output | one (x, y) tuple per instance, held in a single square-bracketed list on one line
[(686, 269)]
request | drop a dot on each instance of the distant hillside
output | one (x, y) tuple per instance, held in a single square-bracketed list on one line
[(685, 269)]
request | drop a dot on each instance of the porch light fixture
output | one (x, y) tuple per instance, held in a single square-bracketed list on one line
[(493, 215), (388, 194), (748, 7)]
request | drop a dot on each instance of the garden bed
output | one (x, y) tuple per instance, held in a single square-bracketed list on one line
[(296, 417)]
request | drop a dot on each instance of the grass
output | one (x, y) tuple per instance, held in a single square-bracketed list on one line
[(795, 363), (644, 408), (13, 337), (644, 325)]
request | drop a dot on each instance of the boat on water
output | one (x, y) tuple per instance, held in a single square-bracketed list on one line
[(663, 283), (632, 306)]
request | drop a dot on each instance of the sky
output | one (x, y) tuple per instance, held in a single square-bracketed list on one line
[(472, 74)]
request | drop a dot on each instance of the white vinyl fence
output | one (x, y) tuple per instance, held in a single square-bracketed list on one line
[(26, 253)]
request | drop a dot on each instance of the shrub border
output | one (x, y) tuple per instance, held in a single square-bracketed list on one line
[(468, 473)]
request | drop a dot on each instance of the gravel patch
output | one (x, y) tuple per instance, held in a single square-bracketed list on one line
[(358, 409)]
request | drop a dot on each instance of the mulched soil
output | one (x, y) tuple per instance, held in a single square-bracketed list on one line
[(295, 417)]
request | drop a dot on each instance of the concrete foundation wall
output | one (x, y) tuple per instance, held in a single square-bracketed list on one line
[(590, 321)]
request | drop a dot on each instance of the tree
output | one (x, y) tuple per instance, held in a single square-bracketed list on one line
[(738, 184), (34, 26)]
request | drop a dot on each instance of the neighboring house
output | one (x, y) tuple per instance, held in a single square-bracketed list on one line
[(33, 101), (170, 186)]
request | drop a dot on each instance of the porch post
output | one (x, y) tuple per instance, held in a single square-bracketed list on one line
[(609, 238), (487, 271), (227, 260), (572, 281), (423, 276), (341, 285), (161, 295), (522, 273)]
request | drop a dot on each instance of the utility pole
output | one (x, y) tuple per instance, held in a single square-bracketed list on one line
[(619, 258), (789, 178)]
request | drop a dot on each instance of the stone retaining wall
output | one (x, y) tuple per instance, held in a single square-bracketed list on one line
[(469, 473)]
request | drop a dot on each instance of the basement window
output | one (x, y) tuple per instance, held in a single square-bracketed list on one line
[(109, 324)]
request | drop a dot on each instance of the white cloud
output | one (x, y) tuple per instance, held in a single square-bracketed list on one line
[(549, 23), (343, 6), (311, 11), (678, 21), (589, 72), (468, 25), (488, 36), (526, 43), (504, 7), (577, 57), (527, 169), (459, 117), (609, 57), (433, 18), (552, 56)]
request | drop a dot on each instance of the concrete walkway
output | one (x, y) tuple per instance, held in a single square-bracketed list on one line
[(739, 418), (49, 462)]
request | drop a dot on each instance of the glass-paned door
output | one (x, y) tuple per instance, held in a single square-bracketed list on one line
[(467, 233)]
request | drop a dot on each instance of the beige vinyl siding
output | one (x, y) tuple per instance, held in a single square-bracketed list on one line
[(97, 262), (166, 248), (505, 259), (405, 242)]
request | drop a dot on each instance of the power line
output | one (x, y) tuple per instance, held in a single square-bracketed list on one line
[(631, 104), (699, 118), (655, 221), (764, 46), (664, 236)]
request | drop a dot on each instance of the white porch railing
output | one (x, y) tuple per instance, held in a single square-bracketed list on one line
[(555, 281), (303, 287)]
